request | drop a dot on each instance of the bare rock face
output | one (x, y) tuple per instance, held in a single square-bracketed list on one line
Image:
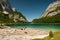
[(5, 6), (17, 18), (52, 9)]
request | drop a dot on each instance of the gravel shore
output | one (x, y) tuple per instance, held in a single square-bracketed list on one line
[(22, 33)]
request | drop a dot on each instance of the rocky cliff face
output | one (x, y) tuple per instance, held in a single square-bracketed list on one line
[(5, 6), (11, 13), (53, 9)]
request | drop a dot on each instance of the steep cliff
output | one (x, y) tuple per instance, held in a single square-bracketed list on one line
[(10, 15)]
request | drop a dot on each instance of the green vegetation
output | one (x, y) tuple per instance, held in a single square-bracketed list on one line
[(20, 14), (37, 39), (51, 34), (5, 19), (58, 8), (55, 37), (47, 19), (52, 19)]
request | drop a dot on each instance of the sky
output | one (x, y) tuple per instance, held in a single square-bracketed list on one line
[(31, 9)]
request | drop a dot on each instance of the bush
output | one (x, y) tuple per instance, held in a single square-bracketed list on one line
[(51, 34)]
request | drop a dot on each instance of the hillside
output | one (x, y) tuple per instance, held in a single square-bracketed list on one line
[(10, 15), (51, 15), (17, 17), (53, 19)]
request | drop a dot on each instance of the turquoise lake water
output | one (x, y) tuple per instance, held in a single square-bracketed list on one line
[(38, 26)]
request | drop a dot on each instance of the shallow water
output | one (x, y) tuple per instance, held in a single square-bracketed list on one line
[(38, 26)]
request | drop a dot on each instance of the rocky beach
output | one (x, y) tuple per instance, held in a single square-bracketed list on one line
[(22, 33)]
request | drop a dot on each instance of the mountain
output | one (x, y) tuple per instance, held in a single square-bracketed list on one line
[(51, 15), (10, 15), (53, 9)]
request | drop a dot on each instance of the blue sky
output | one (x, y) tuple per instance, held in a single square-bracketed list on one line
[(31, 9)]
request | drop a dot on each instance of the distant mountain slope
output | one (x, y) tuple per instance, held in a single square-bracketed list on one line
[(10, 15), (51, 15), (53, 19)]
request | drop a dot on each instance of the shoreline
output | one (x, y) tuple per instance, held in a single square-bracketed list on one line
[(27, 23), (25, 34)]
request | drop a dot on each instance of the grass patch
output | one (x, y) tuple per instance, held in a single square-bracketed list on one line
[(56, 37), (37, 39)]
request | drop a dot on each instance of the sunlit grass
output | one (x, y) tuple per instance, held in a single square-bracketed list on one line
[(56, 37)]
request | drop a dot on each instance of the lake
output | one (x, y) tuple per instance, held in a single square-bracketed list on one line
[(38, 26)]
